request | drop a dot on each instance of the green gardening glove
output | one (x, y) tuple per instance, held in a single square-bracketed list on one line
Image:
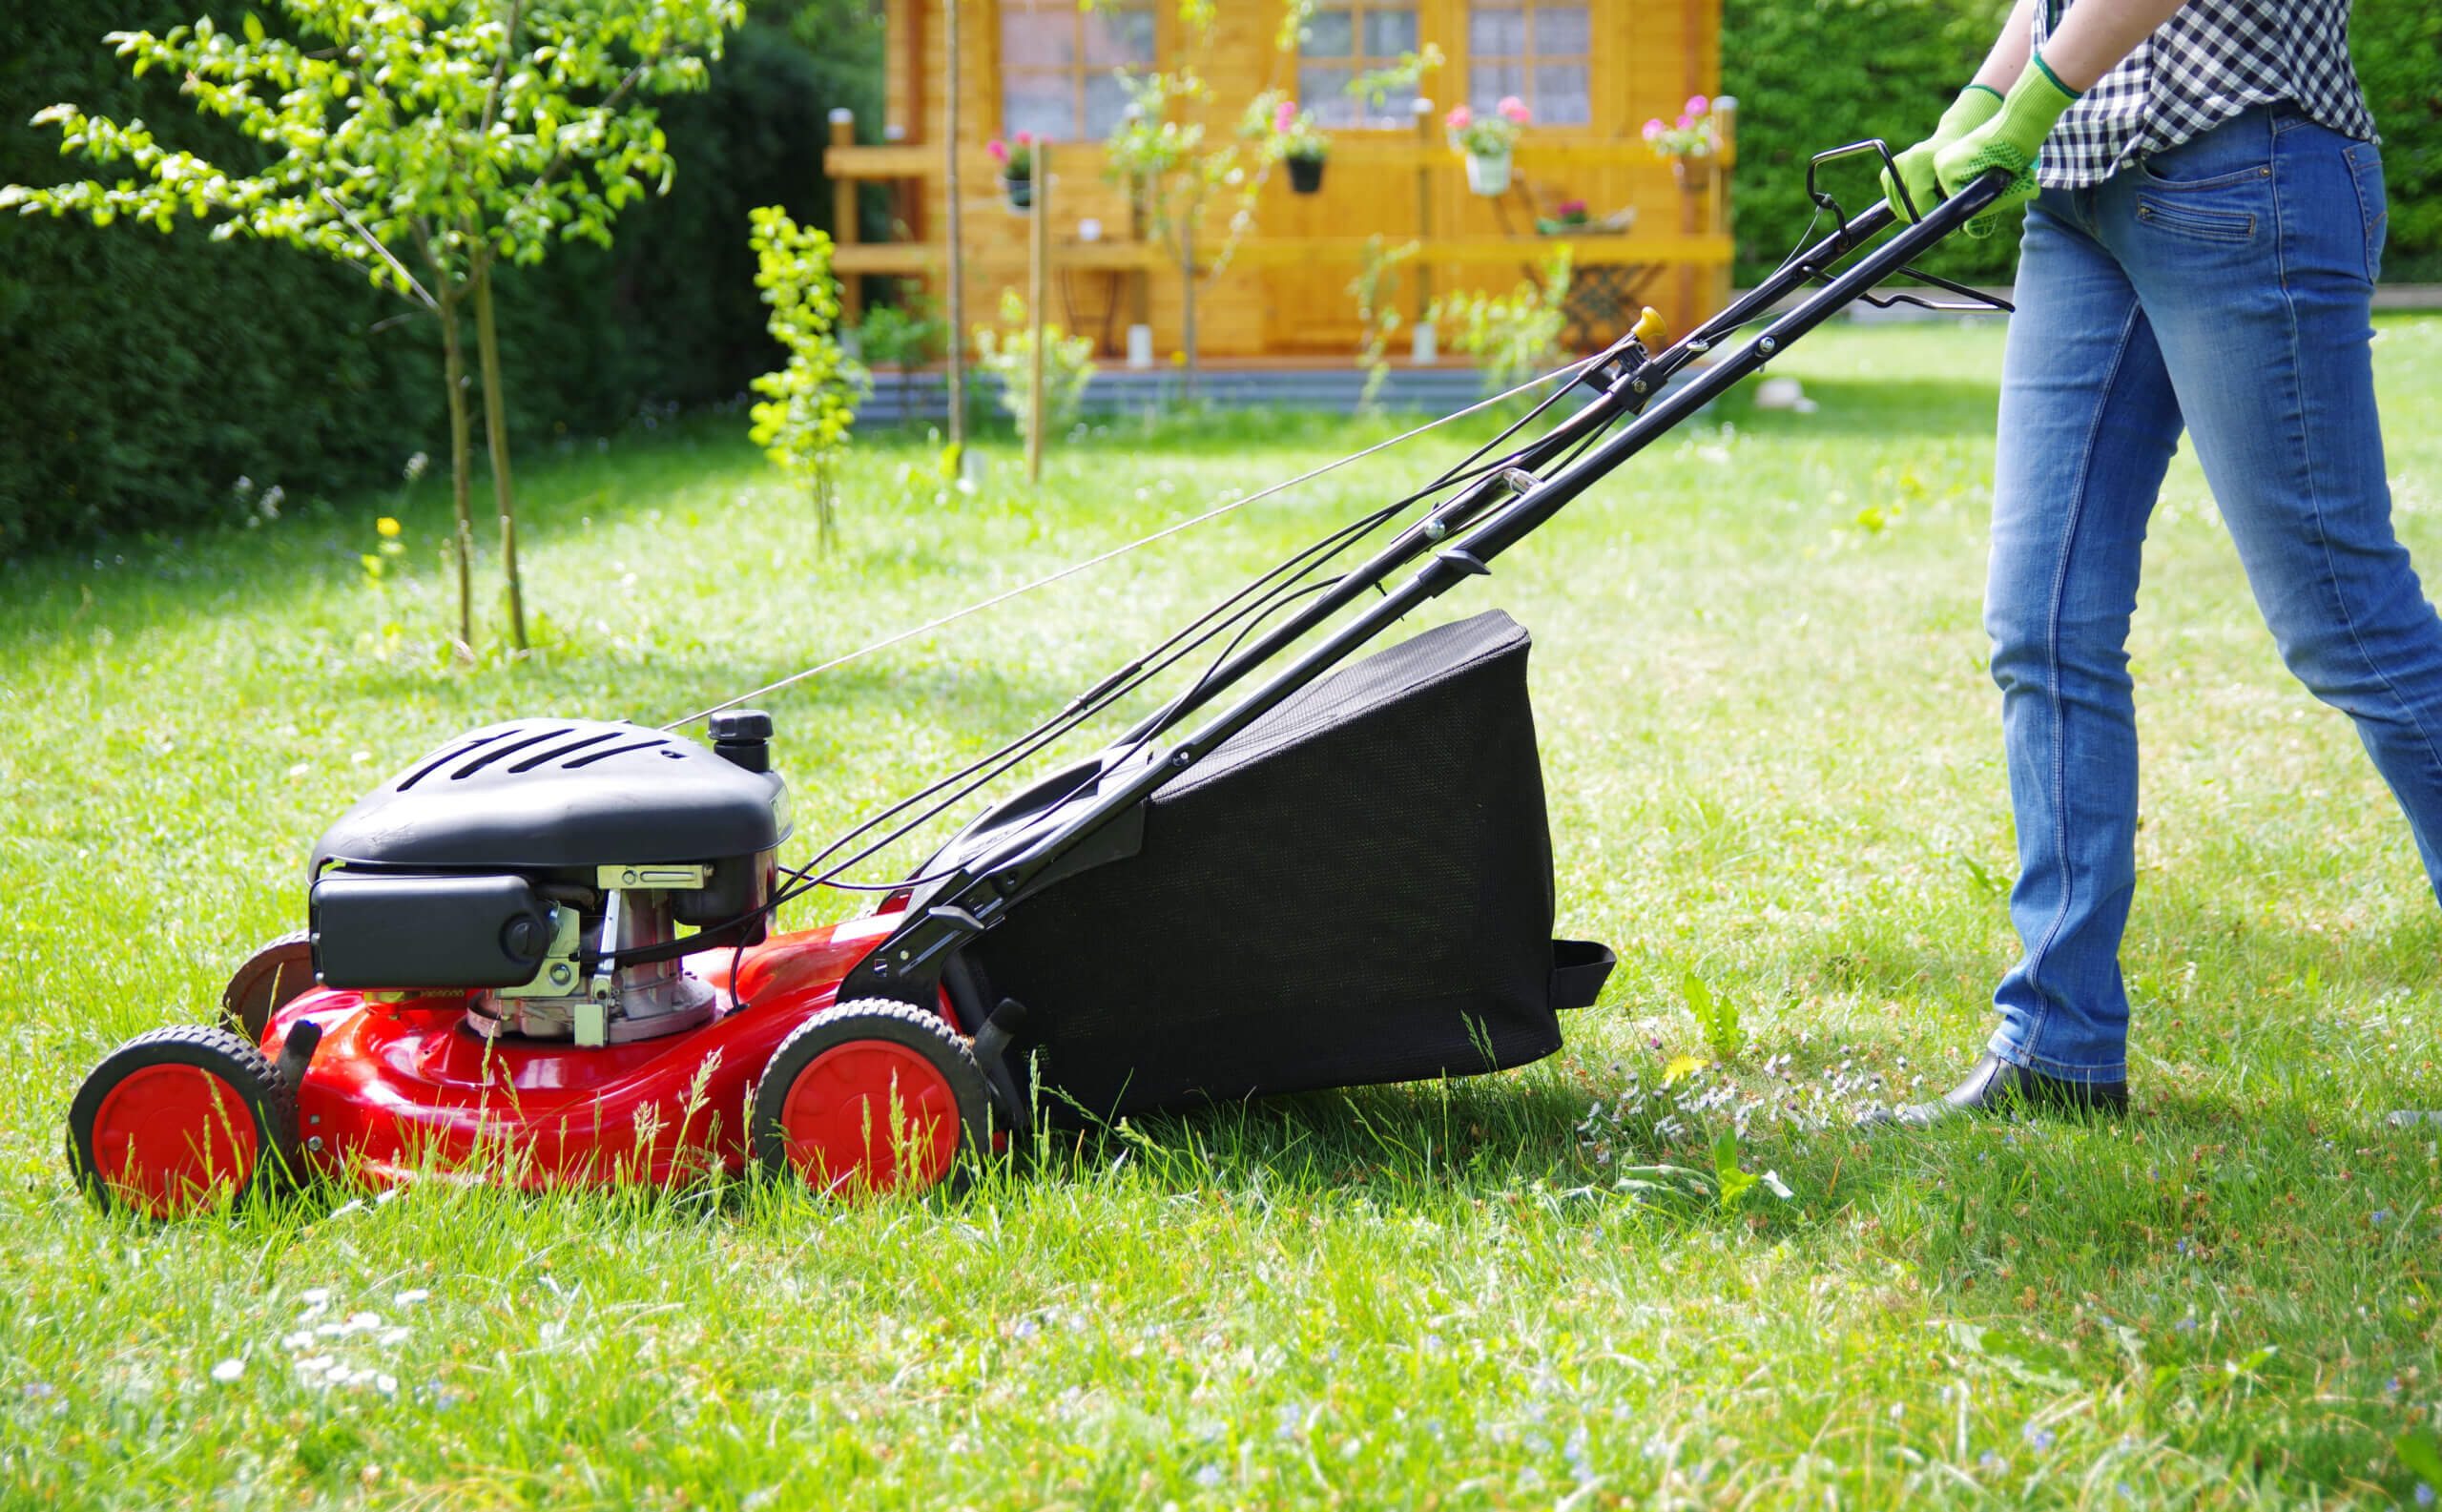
[(2012, 139), (1977, 104)]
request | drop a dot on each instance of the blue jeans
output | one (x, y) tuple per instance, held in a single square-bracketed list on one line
[(2222, 287)]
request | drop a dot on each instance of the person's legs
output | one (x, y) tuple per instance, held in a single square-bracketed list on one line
[(2088, 423), (2253, 251)]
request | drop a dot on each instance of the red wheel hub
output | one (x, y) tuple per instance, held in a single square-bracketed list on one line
[(858, 1108), (167, 1139)]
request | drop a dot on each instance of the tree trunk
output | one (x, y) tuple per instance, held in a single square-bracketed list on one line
[(958, 239), (496, 429), (453, 368)]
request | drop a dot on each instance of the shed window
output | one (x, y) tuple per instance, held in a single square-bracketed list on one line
[(1342, 41), (1534, 50), (1057, 63)]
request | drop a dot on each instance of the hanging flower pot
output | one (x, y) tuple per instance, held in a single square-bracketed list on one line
[(1017, 168), (1300, 143), (1486, 142)]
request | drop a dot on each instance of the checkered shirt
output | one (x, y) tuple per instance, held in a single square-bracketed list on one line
[(2208, 62)]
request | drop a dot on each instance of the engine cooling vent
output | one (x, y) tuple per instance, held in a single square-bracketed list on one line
[(552, 793)]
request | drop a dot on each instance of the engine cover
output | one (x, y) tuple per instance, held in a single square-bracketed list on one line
[(550, 794)]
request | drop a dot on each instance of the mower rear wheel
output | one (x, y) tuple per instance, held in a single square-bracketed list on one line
[(177, 1121), (870, 1097), (277, 971)]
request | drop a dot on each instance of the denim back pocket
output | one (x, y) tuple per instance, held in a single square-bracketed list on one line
[(2366, 170), (2219, 207)]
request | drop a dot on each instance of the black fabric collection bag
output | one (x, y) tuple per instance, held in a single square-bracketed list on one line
[(1356, 888)]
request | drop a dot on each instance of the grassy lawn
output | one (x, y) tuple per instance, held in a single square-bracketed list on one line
[(1773, 759)]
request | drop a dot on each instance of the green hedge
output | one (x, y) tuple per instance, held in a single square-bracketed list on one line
[(1814, 74), (149, 372)]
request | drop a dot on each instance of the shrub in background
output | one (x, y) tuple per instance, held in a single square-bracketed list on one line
[(1008, 354), (1513, 336)]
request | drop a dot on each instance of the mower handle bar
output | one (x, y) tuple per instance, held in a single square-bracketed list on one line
[(1465, 536)]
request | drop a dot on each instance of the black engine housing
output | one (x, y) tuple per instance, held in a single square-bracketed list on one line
[(439, 873)]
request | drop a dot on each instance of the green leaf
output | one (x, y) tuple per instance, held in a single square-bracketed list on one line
[(1700, 1000), (2420, 1454), (254, 29), (1734, 1182)]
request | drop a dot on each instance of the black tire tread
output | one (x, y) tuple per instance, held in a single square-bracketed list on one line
[(249, 1072)]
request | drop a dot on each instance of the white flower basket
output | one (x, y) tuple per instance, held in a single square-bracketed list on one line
[(1488, 175)]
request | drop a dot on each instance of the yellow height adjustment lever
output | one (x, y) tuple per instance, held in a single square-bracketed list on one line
[(1651, 332)]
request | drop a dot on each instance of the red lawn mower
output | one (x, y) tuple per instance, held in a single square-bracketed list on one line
[(1343, 876)]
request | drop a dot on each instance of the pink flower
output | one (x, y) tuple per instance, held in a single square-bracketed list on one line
[(1697, 105), (1283, 116), (1687, 123), (1460, 118), (1026, 138), (1653, 129), (999, 150), (1512, 108)]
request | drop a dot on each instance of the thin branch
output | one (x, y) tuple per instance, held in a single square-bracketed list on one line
[(552, 168), (375, 242), (500, 70)]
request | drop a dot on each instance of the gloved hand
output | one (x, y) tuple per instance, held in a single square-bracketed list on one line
[(1977, 104), (2012, 139)]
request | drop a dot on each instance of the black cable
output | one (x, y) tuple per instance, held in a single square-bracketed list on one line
[(1133, 676), (1253, 616), (1230, 610)]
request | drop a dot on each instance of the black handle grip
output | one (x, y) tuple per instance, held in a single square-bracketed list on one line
[(1973, 200)]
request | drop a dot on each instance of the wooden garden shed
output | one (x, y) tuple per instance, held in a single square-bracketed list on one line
[(1592, 72)]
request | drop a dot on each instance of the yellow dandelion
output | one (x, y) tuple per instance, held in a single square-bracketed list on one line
[(387, 528)]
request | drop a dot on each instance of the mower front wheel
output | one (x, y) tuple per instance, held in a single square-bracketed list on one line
[(276, 972), (178, 1121), (868, 1098)]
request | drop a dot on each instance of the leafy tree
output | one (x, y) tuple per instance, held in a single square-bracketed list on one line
[(1008, 353), (452, 134), (1174, 178), (803, 424)]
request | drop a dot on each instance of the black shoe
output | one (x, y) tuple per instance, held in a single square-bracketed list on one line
[(1998, 1086)]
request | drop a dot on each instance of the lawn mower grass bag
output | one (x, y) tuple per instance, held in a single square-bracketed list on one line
[(1356, 888)]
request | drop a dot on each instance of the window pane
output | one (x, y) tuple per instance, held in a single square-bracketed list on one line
[(1105, 105), (1037, 39), (1495, 32), (1119, 36), (1329, 35), (1561, 97), (1040, 103), (1561, 32), (1489, 83), (1389, 33), (1320, 90)]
